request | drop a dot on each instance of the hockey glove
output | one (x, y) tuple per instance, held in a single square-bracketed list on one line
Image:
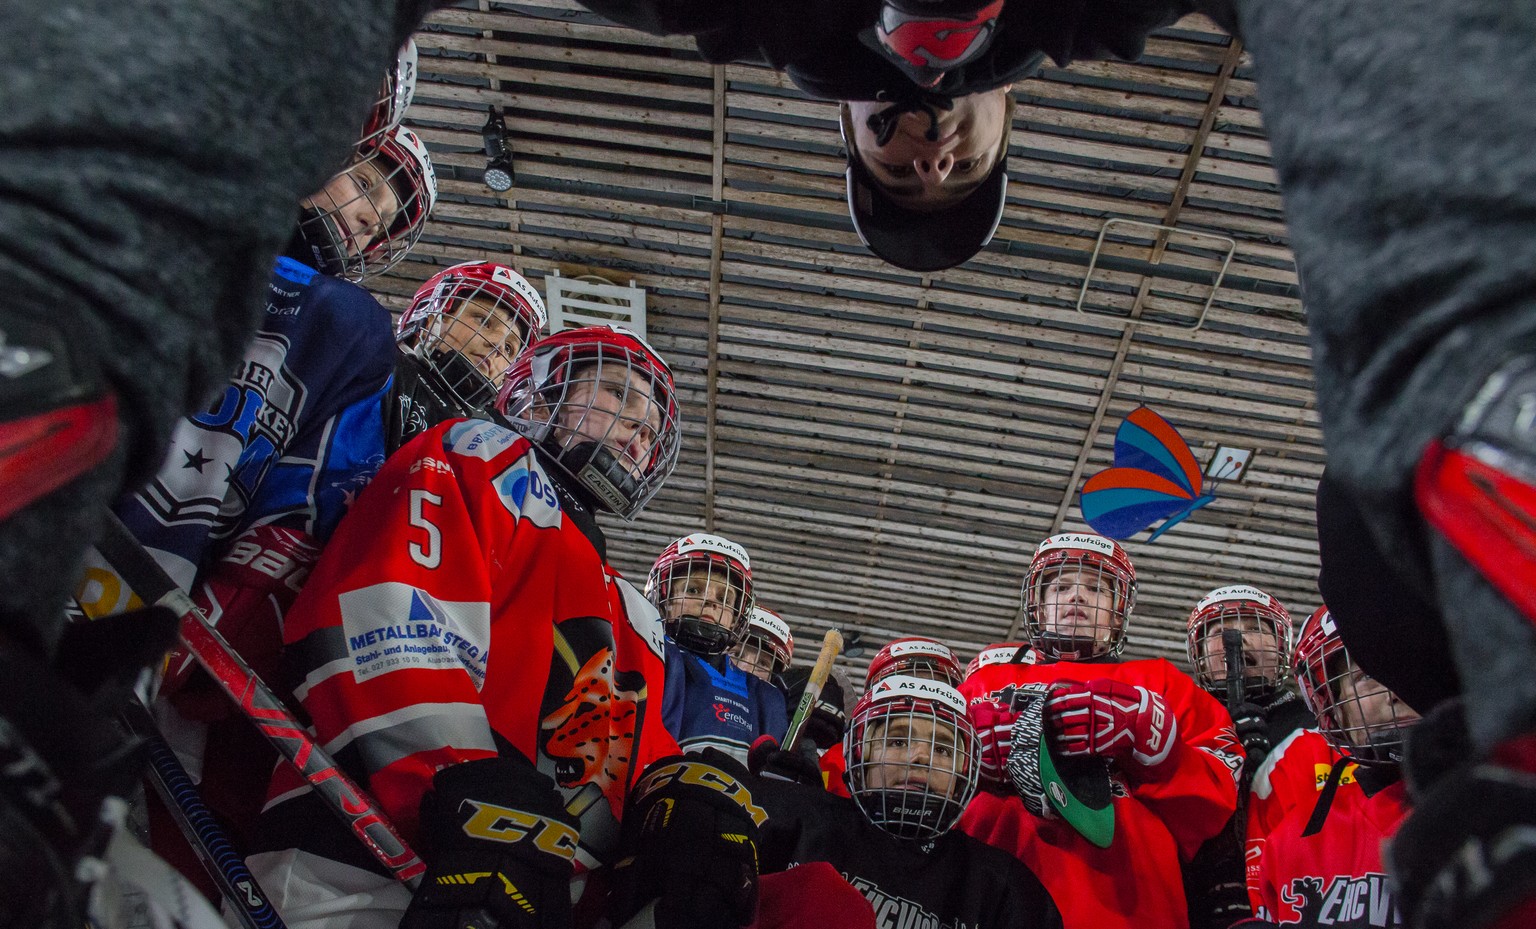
[(827, 720), (500, 845), (690, 845), (1111, 720), (1021, 748), (1252, 731), (766, 759), (993, 717)]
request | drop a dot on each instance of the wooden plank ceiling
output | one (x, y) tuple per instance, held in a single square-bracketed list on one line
[(890, 447)]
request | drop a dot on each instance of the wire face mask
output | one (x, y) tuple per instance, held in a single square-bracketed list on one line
[(1078, 597), (1266, 629), (702, 586), (1358, 714)]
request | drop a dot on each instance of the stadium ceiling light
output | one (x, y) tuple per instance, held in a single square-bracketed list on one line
[(498, 170)]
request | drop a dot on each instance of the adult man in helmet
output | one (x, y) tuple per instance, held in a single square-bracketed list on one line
[(1323, 863), (475, 540), (457, 339), (702, 586), (912, 768), (1166, 747), (1267, 713)]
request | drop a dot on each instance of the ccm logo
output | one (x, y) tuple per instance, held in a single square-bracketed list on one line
[(502, 824), (703, 775)]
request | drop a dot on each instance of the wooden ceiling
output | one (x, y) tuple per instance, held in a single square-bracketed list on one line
[(890, 447)]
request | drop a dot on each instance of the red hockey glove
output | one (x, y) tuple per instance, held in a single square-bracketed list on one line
[(499, 847), (993, 718), (1111, 720), (689, 845)]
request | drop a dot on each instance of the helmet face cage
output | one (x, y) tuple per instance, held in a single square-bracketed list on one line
[(602, 404), (1358, 714), (368, 216), (768, 646), (468, 323), (1266, 628), (912, 757), (704, 600), (915, 656), (1078, 598)]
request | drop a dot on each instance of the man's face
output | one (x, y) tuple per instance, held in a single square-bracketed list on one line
[(485, 333), (925, 176), (361, 202), (1364, 702), (912, 752), (1263, 652), (1079, 603), (703, 590), (611, 403)]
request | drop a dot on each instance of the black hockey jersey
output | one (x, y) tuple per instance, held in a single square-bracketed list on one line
[(954, 882)]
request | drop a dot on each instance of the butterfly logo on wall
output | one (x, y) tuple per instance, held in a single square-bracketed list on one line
[(1155, 477)]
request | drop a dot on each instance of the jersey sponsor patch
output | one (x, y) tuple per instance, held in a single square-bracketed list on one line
[(527, 493), (476, 438), (1364, 902), (392, 626)]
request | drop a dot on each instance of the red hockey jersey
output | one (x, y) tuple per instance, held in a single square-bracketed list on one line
[(464, 606), (1336, 877), (1162, 814), (1291, 777)]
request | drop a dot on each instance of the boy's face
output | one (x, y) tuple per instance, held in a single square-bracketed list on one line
[(1263, 652), (704, 590), (756, 659), (912, 752), (485, 333), (611, 403), (1364, 703), (923, 175), (361, 202), (1079, 603)]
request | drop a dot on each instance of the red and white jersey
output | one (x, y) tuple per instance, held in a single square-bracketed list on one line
[(1336, 877), (1162, 814), (1291, 777), (464, 606)]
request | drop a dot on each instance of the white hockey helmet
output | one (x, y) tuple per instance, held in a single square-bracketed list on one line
[(702, 586)]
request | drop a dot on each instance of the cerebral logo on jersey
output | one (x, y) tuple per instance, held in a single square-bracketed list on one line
[(1351, 902), (393, 626), (525, 490), (474, 438), (725, 714)]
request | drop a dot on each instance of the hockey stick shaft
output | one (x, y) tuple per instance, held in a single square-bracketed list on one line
[(201, 830), (1237, 695), (263, 707), (831, 645)]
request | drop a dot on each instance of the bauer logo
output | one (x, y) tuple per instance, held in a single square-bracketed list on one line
[(393, 626), (527, 493), (474, 438)]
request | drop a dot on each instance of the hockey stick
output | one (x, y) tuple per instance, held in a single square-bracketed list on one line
[(1237, 695), (257, 701), (831, 644), (201, 830)]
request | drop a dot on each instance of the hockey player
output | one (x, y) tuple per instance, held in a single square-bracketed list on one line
[(768, 647), (1167, 747), (702, 586), (1323, 863), (912, 768), (464, 644), (457, 339), (915, 656), (1265, 713), (1000, 653)]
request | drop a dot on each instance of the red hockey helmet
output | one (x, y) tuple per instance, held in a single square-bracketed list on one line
[(1266, 629), (1359, 716), (467, 323), (1078, 597), (768, 647), (1001, 653), (368, 216), (702, 586), (394, 98), (912, 756), (602, 403), (915, 656)]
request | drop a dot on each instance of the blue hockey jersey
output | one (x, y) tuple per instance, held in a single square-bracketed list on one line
[(726, 708), (292, 438)]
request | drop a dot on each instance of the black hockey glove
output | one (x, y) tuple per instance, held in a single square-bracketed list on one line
[(690, 846), (827, 720), (499, 844), (1022, 761), (1253, 732), (767, 759)]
